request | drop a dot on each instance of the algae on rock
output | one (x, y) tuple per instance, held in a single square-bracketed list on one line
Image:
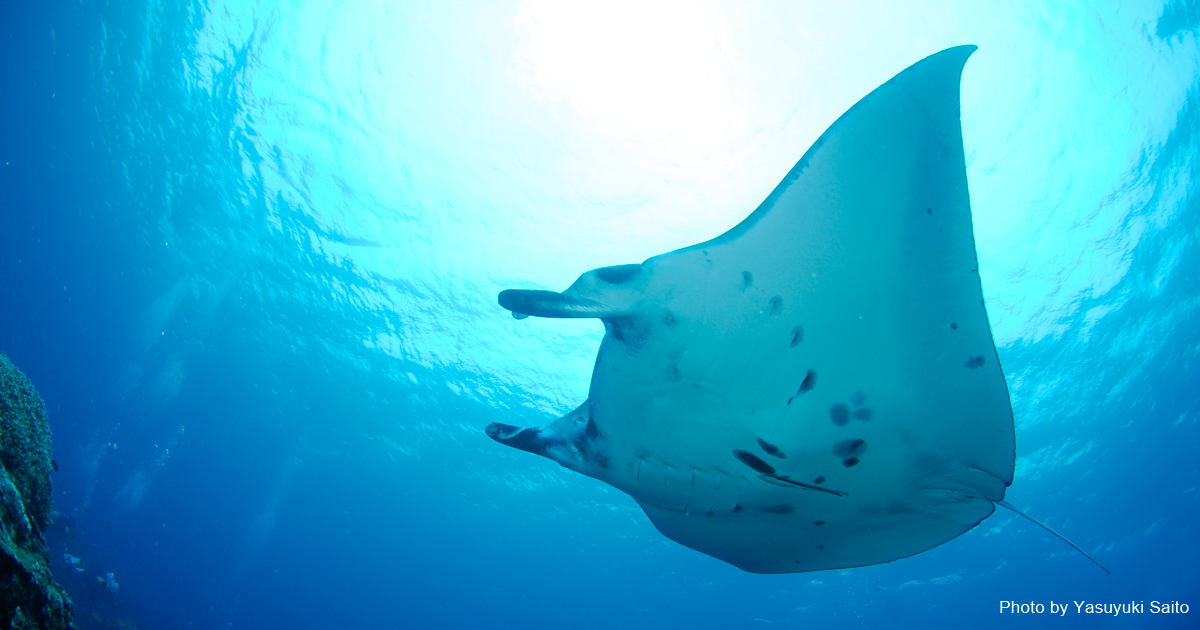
[(29, 596)]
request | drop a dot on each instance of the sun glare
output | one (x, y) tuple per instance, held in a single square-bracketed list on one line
[(661, 75)]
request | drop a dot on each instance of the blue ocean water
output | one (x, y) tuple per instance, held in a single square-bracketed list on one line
[(249, 255)]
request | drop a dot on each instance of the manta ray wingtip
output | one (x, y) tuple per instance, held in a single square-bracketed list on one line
[(951, 61), (959, 52)]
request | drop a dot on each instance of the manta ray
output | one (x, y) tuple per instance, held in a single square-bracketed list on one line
[(818, 387)]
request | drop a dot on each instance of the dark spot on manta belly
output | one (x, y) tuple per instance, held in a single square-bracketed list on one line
[(818, 522), (857, 399), (754, 461), (840, 413), (668, 319), (819, 480), (776, 305), (820, 546), (850, 461), (672, 373), (738, 508), (863, 414), (975, 361), (810, 381), (846, 448), (771, 449), (618, 274), (781, 508), (797, 336), (628, 329), (953, 325), (747, 280)]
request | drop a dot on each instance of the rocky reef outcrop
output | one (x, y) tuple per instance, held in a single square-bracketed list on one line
[(29, 596)]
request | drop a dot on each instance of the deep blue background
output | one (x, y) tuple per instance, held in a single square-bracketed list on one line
[(240, 446)]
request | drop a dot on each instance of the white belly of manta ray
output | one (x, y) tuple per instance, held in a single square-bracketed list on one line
[(817, 388)]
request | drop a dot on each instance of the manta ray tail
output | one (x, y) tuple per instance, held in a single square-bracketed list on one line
[(1048, 528)]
